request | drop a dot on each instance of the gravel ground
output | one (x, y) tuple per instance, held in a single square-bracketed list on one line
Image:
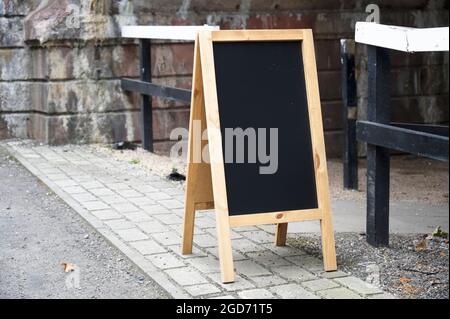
[(413, 267), (39, 232)]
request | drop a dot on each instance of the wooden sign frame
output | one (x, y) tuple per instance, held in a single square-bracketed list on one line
[(206, 188)]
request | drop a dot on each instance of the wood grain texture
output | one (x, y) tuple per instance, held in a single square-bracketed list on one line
[(275, 217), (206, 183), (192, 171), (281, 234), (216, 156), (257, 35), (317, 135), (402, 38), (199, 193)]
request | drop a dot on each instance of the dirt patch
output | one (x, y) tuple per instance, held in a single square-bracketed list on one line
[(413, 267), (412, 179), (161, 165)]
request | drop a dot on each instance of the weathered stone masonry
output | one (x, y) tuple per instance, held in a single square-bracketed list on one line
[(61, 84), (61, 62)]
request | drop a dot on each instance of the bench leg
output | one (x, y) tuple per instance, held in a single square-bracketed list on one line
[(379, 111), (146, 101), (349, 114), (377, 196)]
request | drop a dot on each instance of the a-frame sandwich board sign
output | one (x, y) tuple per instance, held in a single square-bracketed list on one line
[(257, 79)]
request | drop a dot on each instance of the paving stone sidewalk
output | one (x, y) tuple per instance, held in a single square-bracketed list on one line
[(141, 214)]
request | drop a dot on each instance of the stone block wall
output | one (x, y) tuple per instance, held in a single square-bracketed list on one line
[(61, 62), (60, 83)]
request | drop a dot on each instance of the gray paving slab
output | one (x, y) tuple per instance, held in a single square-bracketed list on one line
[(142, 214)]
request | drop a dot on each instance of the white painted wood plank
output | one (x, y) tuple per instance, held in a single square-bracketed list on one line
[(424, 40), (402, 38), (186, 33)]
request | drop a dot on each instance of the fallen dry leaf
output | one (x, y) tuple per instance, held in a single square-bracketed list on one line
[(443, 254), (406, 287), (422, 245), (405, 280), (411, 290), (68, 267)]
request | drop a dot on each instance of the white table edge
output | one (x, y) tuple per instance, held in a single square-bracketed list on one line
[(183, 33), (402, 38)]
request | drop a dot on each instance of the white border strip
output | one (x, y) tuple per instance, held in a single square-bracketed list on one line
[(401, 38), (186, 33)]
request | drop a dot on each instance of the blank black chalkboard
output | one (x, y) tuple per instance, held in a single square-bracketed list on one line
[(262, 85)]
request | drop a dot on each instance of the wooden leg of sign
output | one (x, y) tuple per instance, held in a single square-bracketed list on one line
[(281, 234), (199, 192), (191, 182), (225, 249), (216, 155), (198, 196), (328, 244), (192, 171), (320, 158), (188, 226)]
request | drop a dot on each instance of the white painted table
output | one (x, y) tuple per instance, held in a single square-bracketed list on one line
[(181, 33), (402, 38), (144, 86), (378, 132)]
